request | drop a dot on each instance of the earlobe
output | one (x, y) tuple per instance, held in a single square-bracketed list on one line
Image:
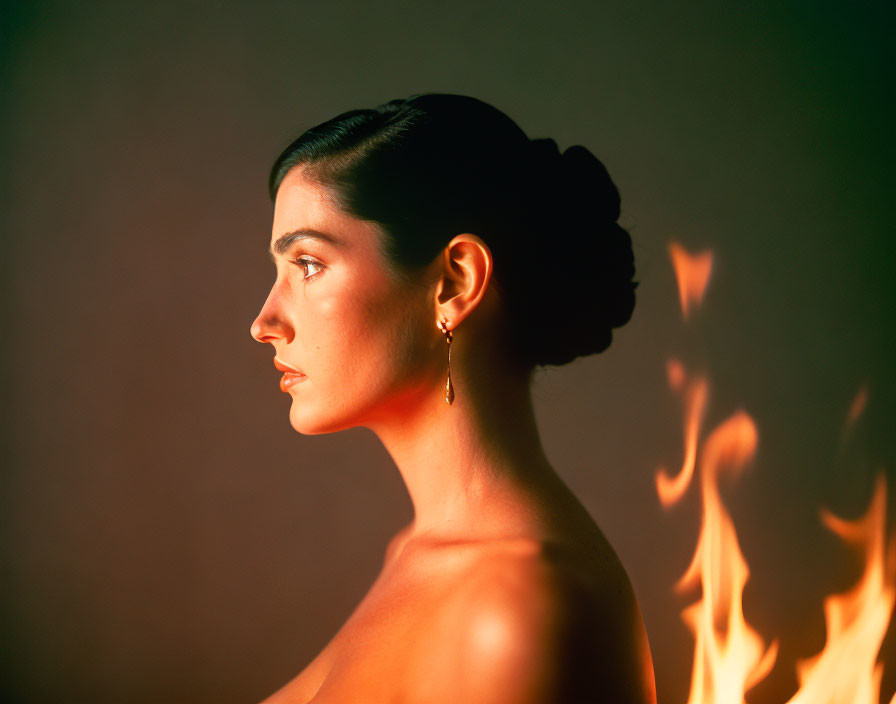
[(465, 274)]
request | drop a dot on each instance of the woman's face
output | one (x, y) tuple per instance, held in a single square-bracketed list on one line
[(364, 340)]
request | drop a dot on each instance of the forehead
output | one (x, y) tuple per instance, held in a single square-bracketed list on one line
[(302, 203)]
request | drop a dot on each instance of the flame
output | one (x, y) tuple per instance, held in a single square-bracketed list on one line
[(692, 273), (856, 409), (670, 489), (844, 672), (729, 656)]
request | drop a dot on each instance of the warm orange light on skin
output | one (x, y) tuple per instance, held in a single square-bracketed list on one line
[(338, 315), (472, 573)]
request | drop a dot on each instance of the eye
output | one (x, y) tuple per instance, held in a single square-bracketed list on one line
[(310, 266)]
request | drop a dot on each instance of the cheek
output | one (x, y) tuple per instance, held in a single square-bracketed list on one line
[(335, 330), (364, 343), (389, 341)]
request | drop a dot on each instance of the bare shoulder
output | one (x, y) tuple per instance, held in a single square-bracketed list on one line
[(524, 624)]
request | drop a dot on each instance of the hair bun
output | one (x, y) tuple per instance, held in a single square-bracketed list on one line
[(545, 154), (573, 197), (576, 176), (587, 177)]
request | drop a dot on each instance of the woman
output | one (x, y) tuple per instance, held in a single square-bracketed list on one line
[(429, 256)]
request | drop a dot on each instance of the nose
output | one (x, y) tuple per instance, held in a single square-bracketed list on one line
[(270, 326)]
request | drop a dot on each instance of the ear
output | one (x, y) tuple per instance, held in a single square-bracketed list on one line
[(466, 269)]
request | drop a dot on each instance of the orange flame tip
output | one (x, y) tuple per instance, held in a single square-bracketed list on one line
[(671, 489), (692, 273)]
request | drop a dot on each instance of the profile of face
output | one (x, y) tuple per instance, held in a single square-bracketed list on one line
[(363, 338)]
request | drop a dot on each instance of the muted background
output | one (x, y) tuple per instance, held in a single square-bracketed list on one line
[(169, 537)]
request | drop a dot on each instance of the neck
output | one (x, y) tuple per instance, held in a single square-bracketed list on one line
[(472, 468)]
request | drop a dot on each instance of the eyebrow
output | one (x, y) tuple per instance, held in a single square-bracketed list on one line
[(285, 241)]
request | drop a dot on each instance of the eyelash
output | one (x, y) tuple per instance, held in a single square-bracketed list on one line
[(304, 262)]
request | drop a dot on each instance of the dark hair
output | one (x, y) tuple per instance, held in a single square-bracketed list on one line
[(433, 165)]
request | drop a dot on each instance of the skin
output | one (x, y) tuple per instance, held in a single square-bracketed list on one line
[(502, 589)]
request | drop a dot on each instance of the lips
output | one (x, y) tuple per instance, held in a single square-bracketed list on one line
[(290, 377), (285, 367)]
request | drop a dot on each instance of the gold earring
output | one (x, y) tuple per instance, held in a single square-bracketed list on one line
[(449, 388)]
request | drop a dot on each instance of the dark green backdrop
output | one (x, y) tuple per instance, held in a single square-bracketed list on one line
[(170, 538)]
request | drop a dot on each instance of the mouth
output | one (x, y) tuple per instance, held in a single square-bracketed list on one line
[(291, 375), (285, 367)]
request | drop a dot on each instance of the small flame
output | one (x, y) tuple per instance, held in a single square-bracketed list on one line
[(671, 489), (856, 409), (692, 273), (676, 374), (729, 656), (844, 672)]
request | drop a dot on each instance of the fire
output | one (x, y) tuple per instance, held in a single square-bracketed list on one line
[(730, 657), (856, 409), (671, 489), (844, 672), (692, 273)]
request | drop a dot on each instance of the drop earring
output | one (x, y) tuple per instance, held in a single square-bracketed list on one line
[(449, 388)]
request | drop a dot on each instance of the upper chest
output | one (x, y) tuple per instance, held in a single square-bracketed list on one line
[(378, 646), (392, 639)]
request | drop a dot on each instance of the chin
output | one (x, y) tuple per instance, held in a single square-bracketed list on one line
[(310, 415), (305, 424), (307, 420)]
